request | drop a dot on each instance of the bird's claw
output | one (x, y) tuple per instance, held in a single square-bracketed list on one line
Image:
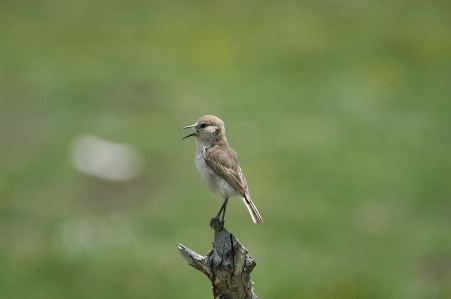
[(216, 224)]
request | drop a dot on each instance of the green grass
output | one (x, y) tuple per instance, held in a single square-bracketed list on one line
[(339, 110)]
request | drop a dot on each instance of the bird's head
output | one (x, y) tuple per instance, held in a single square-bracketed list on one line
[(208, 128)]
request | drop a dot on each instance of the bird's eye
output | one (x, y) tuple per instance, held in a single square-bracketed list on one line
[(202, 125)]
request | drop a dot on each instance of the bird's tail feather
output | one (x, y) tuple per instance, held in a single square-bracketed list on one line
[(252, 210)]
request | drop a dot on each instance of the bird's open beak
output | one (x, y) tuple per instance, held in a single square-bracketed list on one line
[(189, 127)]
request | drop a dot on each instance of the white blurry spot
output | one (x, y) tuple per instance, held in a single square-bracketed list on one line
[(78, 235), (90, 234), (107, 160)]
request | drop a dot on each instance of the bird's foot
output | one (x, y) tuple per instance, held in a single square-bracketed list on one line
[(216, 223)]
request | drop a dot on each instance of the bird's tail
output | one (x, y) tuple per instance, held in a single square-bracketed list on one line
[(252, 210)]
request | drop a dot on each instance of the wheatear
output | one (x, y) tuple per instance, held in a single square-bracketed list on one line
[(218, 165)]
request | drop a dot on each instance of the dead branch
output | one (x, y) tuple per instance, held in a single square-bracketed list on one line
[(227, 265)]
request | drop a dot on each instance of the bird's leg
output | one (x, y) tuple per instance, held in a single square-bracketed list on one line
[(223, 212), (215, 219)]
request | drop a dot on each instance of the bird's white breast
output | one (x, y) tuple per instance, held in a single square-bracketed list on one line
[(214, 182)]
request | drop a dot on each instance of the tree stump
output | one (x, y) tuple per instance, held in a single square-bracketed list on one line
[(227, 265)]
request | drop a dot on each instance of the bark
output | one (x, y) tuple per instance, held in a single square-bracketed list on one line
[(227, 265)]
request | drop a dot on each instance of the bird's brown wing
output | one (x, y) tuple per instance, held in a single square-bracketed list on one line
[(225, 163)]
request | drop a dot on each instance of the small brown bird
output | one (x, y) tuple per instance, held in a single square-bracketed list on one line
[(218, 165)]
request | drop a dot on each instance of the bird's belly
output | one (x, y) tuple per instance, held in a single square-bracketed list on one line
[(214, 182)]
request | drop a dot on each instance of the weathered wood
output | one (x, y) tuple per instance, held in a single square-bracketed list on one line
[(227, 265)]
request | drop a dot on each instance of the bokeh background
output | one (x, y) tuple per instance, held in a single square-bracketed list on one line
[(340, 112)]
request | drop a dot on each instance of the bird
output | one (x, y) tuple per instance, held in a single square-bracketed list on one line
[(219, 166)]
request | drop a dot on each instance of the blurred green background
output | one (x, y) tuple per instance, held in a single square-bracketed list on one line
[(340, 112)]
